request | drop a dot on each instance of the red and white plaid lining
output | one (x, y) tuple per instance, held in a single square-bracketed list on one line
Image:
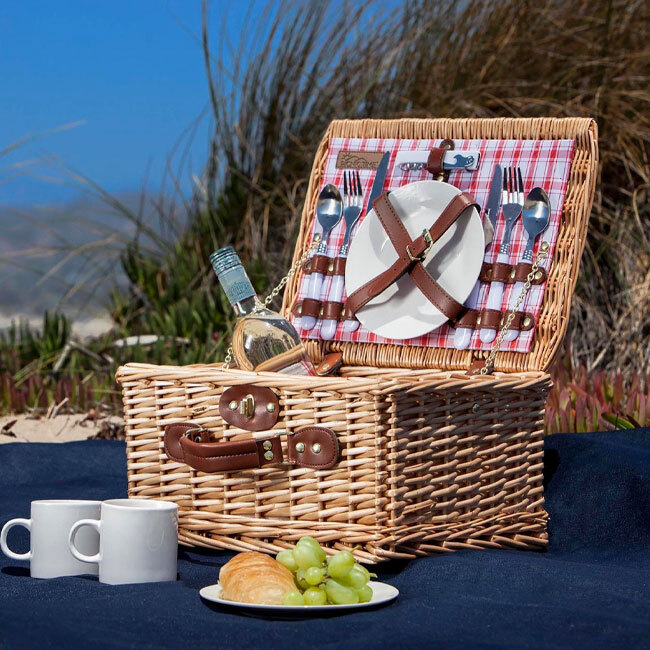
[(544, 163)]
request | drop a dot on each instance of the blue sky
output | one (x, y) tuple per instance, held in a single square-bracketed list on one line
[(129, 71)]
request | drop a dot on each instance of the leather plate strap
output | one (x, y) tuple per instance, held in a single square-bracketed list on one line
[(403, 244)]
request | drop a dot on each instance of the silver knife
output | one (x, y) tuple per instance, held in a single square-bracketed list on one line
[(494, 197), (375, 192), (463, 335), (380, 178)]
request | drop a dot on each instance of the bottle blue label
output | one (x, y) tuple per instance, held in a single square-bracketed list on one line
[(236, 285)]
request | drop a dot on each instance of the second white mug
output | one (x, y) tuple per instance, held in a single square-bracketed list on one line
[(138, 541)]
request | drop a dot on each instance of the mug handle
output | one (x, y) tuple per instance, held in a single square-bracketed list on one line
[(96, 524), (26, 523)]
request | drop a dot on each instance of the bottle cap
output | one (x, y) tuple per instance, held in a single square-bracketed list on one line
[(232, 275), (224, 259)]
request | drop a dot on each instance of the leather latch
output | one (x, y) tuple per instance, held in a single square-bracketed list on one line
[(249, 407)]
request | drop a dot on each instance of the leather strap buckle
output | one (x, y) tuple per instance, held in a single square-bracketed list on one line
[(277, 434), (195, 430), (421, 257)]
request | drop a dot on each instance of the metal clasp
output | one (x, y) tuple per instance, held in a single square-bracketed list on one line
[(276, 434), (420, 258), (189, 432), (247, 406)]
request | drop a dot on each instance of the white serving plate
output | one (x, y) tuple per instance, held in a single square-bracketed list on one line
[(402, 311), (381, 593)]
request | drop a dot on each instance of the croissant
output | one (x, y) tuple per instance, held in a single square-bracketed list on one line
[(255, 578)]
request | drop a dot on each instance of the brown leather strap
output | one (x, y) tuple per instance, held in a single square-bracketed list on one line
[(318, 309), (346, 314), (508, 274), (435, 294), (230, 456), (493, 319), (325, 265), (307, 307), (409, 251), (313, 447), (467, 318), (331, 310), (436, 158)]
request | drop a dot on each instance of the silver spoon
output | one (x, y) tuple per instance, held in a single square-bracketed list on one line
[(329, 209), (535, 218)]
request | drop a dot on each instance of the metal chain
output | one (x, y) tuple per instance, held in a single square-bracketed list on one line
[(269, 299), (489, 362)]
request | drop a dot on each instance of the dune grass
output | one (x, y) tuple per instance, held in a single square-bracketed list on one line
[(303, 64)]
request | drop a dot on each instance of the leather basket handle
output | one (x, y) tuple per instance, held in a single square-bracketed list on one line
[(312, 447)]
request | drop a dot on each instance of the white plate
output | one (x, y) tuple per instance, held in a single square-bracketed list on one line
[(402, 311), (381, 593)]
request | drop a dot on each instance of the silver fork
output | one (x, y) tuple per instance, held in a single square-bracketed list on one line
[(352, 207), (512, 209), (511, 206)]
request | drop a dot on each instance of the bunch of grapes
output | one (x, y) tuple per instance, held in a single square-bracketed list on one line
[(322, 580)]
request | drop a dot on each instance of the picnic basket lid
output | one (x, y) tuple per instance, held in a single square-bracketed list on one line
[(554, 315)]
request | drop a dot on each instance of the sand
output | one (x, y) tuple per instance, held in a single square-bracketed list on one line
[(60, 428)]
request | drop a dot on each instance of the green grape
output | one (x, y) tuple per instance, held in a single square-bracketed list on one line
[(293, 598), (366, 572), (312, 543), (299, 579), (315, 596), (365, 594), (314, 575), (356, 577), (339, 566), (306, 556), (287, 559), (339, 594)]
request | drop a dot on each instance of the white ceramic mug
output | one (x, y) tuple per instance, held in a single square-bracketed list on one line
[(138, 541), (49, 526)]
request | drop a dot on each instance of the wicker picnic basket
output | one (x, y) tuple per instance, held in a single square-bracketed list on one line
[(431, 458)]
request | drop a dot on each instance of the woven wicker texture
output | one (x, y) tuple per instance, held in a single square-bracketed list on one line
[(554, 315), (430, 461)]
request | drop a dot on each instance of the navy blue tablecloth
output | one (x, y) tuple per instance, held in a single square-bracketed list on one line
[(591, 589)]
